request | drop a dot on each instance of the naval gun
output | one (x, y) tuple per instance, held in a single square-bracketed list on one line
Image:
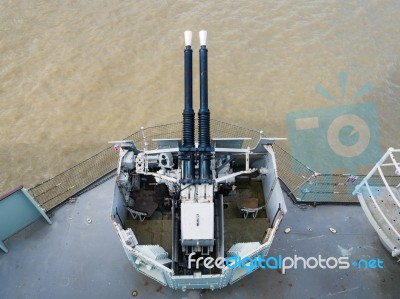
[(183, 204)]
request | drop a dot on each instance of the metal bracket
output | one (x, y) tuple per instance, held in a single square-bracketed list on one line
[(246, 212), (136, 214)]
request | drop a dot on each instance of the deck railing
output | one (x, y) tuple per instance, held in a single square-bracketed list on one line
[(390, 153), (379, 196), (305, 185)]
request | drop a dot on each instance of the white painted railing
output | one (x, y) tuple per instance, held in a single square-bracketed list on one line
[(388, 161), (378, 167)]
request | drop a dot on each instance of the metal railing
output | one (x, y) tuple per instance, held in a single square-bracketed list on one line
[(66, 184), (378, 168), (305, 185), (379, 196)]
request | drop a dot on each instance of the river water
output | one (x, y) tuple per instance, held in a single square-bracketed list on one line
[(76, 74)]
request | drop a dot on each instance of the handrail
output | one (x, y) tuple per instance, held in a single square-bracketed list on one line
[(389, 152), (381, 212)]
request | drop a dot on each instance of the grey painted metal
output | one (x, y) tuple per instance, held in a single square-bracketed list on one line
[(74, 259), (228, 142), (148, 264), (220, 227), (17, 210)]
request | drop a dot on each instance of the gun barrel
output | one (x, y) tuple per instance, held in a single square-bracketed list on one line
[(204, 113), (188, 113)]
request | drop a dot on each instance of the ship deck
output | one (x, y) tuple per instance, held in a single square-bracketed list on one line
[(80, 256)]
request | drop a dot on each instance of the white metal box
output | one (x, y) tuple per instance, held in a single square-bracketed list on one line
[(197, 224)]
